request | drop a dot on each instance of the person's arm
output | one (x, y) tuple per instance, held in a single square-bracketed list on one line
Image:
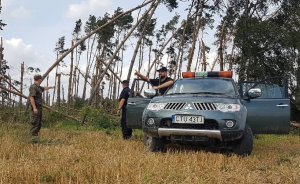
[(142, 76), (32, 102), (121, 104), (164, 85), (49, 87)]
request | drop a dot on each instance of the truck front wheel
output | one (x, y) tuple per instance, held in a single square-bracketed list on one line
[(154, 144), (244, 146)]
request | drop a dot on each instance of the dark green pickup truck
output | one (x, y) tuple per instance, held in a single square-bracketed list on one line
[(211, 109)]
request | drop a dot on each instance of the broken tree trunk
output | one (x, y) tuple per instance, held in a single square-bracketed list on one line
[(21, 85), (58, 89), (90, 34), (115, 54), (147, 21), (45, 106), (70, 78)]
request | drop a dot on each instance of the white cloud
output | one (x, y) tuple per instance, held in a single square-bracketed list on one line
[(87, 7), (16, 51), (20, 13), (6, 3)]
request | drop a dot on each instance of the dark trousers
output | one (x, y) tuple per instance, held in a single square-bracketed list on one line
[(127, 132), (36, 122)]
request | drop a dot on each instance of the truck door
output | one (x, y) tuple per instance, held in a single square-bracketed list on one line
[(269, 113), (136, 105)]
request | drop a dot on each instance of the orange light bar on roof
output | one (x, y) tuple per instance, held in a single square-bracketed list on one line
[(225, 74), (188, 74)]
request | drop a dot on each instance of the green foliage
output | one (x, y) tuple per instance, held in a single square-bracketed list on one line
[(107, 33), (171, 4), (13, 114), (79, 103), (100, 119), (77, 29), (90, 24), (124, 22)]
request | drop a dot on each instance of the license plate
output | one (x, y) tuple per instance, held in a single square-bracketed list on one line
[(187, 119)]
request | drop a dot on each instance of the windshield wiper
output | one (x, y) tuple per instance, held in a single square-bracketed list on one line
[(211, 93), (178, 93), (208, 92)]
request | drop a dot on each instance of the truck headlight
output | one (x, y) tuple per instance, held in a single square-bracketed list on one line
[(156, 106), (228, 107)]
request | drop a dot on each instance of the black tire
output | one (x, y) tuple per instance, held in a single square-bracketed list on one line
[(244, 146), (154, 144)]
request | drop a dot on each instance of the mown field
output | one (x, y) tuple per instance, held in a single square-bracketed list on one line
[(68, 154)]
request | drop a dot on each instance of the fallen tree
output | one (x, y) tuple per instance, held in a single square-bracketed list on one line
[(45, 106)]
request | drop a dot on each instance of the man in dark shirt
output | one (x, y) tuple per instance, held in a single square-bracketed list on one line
[(125, 94), (162, 83), (36, 102)]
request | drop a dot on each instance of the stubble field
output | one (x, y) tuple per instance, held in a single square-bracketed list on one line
[(88, 156)]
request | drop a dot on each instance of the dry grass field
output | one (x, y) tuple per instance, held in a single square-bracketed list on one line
[(66, 155)]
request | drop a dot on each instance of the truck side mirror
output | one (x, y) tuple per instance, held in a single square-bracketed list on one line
[(150, 93), (254, 93)]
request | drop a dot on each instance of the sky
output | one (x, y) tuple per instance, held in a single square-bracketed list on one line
[(34, 26)]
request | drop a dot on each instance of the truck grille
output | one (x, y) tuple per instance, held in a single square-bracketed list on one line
[(174, 106), (205, 106)]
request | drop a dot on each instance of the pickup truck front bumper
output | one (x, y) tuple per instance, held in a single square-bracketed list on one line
[(216, 134), (221, 135)]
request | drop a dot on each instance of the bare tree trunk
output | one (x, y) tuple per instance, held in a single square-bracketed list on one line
[(204, 56), (231, 59), (90, 34), (47, 93), (77, 82), (221, 48), (180, 53), (1, 60), (195, 35), (89, 63), (9, 100), (58, 89), (116, 52), (21, 85), (198, 57), (70, 78), (55, 81), (147, 21), (63, 94), (156, 59)]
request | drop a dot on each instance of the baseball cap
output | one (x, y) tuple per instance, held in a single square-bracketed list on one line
[(125, 82), (162, 69), (37, 77)]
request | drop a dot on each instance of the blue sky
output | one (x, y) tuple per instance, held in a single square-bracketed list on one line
[(34, 26)]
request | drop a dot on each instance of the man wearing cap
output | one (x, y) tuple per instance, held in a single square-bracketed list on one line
[(36, 102), (125, 94), (162, 83)]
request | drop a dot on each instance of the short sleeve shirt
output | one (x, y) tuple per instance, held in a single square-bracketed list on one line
[(157, 82), (125, 94), (36, 92)]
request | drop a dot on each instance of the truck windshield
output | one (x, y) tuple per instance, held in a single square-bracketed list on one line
[(203, 86)]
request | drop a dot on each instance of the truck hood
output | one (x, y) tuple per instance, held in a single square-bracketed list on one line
[(196, 98)]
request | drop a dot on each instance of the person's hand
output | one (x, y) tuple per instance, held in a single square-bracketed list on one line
[(136, 72), (155, 87), (35, 111), (118, 112)]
